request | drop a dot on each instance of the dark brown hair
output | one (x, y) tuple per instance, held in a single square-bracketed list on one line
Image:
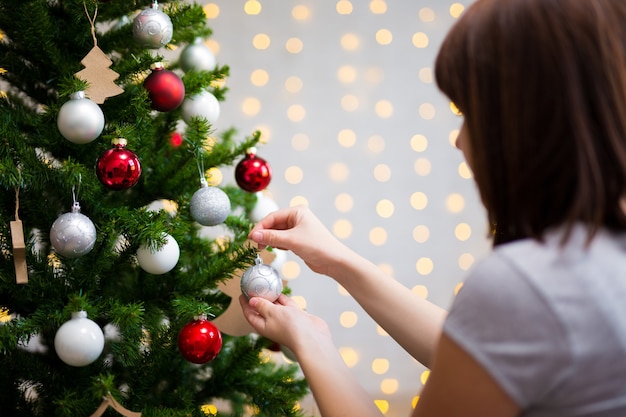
[(542, 86)]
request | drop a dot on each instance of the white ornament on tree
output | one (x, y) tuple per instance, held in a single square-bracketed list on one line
[(197, 57), (264, 206), (209, 206), (73, 234), (203, 105), (152, 28), (159, 261), (80, 120), (79, 341)]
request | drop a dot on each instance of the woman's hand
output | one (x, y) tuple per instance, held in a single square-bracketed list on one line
[(297, 229), (284, 322)]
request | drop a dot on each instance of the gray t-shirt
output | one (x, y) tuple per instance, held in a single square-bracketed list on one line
[(549, 323)]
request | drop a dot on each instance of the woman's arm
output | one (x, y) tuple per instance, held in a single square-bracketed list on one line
[(413, 322), (458, 386)]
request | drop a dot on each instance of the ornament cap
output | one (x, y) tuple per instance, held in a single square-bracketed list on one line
[(76, 207), (119, 142), (77, 95), (79, 314), (154, 5), (157, 66), (251, 150)]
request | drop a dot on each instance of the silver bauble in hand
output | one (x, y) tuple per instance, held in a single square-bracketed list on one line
[(73, 234), (209, 205), (152, 28), (261, 280), (197, 57), (80, 120)]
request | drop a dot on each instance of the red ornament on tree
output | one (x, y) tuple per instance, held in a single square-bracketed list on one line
[(199, 341), (118, 168), (252, 173), (176, 139), (165, 89)]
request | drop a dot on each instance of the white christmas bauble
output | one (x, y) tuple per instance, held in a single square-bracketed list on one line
[(159, 261), (264, 206), (80, 120), (152, 28), (203, 105), (197, 57), (79, 341), (288, 353), (280, 259), (261, 280), (209, 206), (73, 235)]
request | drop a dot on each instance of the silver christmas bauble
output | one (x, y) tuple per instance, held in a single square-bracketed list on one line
[(80, 120), (73, 235), (203, 105), (152, 28), (261, 280), (209, 205), (197, 57)]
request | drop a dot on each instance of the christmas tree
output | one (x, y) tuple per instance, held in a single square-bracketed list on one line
[(112, 274)]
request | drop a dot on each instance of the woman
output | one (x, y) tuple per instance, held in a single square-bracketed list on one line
[(539, 327)]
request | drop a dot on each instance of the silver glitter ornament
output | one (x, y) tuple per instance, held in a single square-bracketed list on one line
[(197, 57), (209, 205), (152, 28), (261, 280), (73, 234), (80, 120)]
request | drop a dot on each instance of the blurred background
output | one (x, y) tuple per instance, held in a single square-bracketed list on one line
[(354, 127)]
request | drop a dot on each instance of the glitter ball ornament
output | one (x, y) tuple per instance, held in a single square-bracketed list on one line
[(197, 57), (79, 341), (261, 280), (165, 89), (159, 261), (209, 205), (80, 120), (118, 168), (199, 341), (203, 105), (73, 234), (252, 173), (152, 28)]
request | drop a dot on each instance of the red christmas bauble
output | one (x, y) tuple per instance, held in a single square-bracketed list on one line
[(199, 341), (176, 139), (252, 173), (118, 168), (165, 89)]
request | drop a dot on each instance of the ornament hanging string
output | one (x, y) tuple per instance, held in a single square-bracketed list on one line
[(200, 163), (75, 191), (92, 22), (109, 401), (19, 247)]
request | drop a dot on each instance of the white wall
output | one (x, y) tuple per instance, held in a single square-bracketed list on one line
[(343, 161)]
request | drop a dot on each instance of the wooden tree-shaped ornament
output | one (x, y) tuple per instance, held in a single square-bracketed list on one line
[(99, 76), (97, 72)]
